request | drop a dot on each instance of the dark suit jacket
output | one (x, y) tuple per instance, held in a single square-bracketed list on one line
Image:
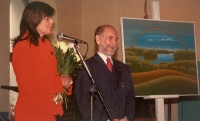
[(116, 89)]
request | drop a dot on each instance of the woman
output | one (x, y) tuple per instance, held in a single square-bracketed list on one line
[(34, 65)]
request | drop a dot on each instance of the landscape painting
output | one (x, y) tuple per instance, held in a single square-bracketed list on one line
[(161, 56)]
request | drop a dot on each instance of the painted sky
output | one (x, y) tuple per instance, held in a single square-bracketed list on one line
[(168, 35)]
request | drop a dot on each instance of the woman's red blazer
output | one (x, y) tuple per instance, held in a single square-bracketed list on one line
[(35, 70)]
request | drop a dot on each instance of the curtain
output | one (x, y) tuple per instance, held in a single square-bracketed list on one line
[(189, 106)]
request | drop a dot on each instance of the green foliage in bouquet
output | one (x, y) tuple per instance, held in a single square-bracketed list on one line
[(67, 62)]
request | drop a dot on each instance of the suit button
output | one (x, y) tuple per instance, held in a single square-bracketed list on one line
[(115, 103), (115, 89)]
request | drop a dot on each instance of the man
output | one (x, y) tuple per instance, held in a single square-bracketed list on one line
[(114, 82)]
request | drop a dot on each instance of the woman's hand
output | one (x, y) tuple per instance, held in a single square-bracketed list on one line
[(66, 81)]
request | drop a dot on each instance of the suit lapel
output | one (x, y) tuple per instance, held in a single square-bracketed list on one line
[(103, 68), (100, 63)]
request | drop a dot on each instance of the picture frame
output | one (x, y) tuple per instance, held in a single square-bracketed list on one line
[(161, 56)]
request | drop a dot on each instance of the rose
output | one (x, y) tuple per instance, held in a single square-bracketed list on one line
[(62, 45)]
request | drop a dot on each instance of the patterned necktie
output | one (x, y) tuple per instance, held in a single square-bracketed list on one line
[(109, 65)]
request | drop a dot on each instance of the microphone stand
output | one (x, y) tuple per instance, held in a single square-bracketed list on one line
[(94, 87)]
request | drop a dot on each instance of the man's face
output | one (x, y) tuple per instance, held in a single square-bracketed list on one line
[(107, 42)]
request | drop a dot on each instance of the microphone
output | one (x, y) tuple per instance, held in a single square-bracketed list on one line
[(61, 37)]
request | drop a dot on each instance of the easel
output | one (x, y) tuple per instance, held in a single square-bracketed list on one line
[(159, 99), (159, 104)]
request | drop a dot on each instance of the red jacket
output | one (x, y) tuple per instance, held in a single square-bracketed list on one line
[(35, 70)]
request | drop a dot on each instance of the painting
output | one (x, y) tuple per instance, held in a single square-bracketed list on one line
[(161, 56)]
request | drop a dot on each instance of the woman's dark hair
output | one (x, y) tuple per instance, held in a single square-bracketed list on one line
[(31, 18)]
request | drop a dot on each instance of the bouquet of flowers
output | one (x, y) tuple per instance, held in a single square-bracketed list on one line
[(68, 62)]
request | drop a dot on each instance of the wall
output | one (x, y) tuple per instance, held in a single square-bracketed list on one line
[(83, 16), (69, 15), (5, 54), (99, 12)]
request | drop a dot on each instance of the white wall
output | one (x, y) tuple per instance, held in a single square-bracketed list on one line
[(16, 9)]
